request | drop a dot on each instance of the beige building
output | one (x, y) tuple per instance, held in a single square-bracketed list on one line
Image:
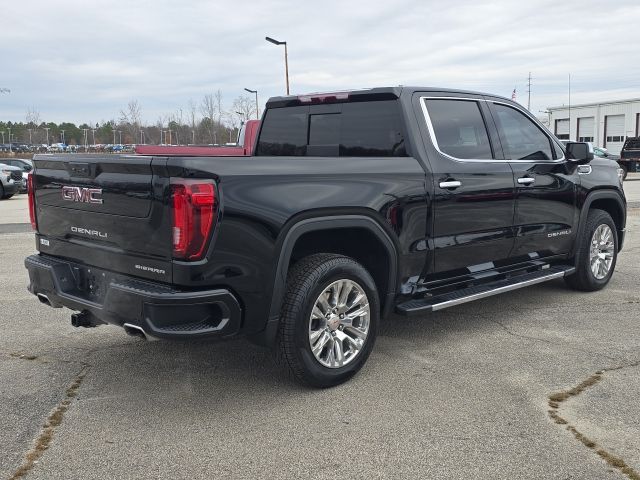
[(605, 124)]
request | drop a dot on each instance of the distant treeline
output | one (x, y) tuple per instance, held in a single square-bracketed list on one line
[(205, 122)]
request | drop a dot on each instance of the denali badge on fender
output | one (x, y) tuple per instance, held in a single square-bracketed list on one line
[(81, 194)]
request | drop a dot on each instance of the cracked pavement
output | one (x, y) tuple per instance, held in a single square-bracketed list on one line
[(462, 393)]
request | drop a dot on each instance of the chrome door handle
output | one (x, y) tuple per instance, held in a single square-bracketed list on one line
[(450, 184), (526, 180)]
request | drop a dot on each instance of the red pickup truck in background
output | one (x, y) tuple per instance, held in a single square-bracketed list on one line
[(243, 148)]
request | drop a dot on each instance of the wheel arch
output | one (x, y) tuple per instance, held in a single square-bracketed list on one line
[(322, 226), (611, 202)]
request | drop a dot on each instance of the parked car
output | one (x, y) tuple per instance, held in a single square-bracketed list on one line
[(11, 181), (630, 155), (604, 153), (353, 205), (26, 165)]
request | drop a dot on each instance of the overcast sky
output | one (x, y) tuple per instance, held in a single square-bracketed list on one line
[(83, 61)]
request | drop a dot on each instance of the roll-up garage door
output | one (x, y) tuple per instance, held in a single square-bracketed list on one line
[(562, 128), (586, 129), (614, 128)]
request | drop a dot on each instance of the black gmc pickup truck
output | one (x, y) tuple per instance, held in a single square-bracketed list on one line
[(354, 205)]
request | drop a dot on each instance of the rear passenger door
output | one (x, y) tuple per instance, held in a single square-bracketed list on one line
[(546, 184), (473, 201)]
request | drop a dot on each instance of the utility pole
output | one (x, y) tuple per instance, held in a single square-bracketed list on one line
[(2, 132), (30, 130), (569, 105), (93, 130), (46, 129), (120, 133), (62, 136), (529, 93), (9, 128), (85, 132)]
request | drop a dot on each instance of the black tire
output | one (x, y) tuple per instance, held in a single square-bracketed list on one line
[(305, 282), (584, 279)]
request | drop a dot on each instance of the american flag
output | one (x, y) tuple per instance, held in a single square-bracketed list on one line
[(513, 95)]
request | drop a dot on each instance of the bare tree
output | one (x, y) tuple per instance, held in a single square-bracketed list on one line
[(244, 107), (211, 108), (33, 120), (131, 118)]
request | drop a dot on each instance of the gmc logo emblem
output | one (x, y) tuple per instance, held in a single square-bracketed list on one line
[(80, 194)]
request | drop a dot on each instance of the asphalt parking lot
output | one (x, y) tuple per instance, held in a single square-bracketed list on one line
[(539, 383)]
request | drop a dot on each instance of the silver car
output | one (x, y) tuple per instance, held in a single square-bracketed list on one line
[(11, 181)]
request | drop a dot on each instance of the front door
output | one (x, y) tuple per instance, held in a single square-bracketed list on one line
[(474, 189), (546, 213)]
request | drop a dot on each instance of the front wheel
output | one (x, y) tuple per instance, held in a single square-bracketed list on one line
[(329, 319), (597, 252)]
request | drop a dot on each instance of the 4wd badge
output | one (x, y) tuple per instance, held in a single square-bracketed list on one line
[(82, 194)]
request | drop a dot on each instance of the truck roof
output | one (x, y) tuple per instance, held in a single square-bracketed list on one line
[(378, 93)]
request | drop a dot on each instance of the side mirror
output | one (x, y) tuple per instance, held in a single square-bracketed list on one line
[(579, 152)]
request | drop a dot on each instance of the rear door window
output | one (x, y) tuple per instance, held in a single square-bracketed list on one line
[(459, 128), (521, 138)]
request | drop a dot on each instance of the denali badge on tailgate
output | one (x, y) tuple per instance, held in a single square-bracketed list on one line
[(81, 194)]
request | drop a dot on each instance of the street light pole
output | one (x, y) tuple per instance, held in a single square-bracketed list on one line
[(257, 108), (46, 130), (9, 128), (286, 58)]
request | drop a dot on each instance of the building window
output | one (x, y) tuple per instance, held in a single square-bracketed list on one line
[(616, 138), (585, 139), (562, 129)]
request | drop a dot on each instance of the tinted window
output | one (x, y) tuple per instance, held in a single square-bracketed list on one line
[(324, 129), (372, 129), (284, 132), (521, 138), (359, 129), (459, 128)]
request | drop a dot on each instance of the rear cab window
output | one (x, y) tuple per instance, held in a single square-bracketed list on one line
[(353, 129)]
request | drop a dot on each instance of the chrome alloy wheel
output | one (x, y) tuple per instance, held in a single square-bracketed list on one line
[(339, 323), (601, 251)]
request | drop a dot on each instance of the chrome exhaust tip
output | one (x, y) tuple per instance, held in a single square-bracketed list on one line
[(137, 331)]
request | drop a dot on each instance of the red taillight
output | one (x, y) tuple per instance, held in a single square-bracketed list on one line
[(31, 192), (194, 210)]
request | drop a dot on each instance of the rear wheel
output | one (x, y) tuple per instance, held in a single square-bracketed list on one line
[(329, 319), (597, 253)]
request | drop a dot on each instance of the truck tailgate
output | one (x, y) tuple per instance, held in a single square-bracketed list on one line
[(105, 211)]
